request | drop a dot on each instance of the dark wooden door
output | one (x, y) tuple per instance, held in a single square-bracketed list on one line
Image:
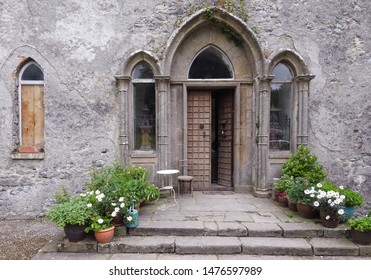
[(224, 114), (199, 137)]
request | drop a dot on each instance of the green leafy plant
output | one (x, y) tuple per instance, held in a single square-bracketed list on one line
[(62, 195), (295, 192), (352, 198), (131, 183), (73, 212), (362, 224), (284, 183), (99, 223), (304, 164)]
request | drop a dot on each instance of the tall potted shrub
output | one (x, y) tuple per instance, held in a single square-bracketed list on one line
[(303, 164)]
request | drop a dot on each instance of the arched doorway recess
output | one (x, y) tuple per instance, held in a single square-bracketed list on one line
[(213, 114)]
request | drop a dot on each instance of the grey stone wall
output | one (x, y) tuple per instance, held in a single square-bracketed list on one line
[(82, 44)]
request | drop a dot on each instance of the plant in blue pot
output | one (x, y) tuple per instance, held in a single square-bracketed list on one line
[(352, 200)]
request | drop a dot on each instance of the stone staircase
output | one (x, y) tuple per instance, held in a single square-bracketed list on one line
[(222, 224), (226, 238)]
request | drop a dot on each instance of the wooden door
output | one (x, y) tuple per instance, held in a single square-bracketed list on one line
[(199, 137), (224, 112)]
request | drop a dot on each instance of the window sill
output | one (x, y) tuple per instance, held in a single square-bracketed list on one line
[(28, 156), (141, 154), (280, 154)]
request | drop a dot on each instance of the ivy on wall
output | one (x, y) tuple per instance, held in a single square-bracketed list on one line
[(236, 7)]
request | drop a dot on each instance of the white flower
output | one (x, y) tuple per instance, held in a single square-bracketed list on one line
[(89, 205), (121, 199), (327, 217), (319, 185), (342, 197), (341, 187), (332, 204), (100, 221), (113, 204), (329, 201), (316, 203), (312, 195), (83, 194), (337, 201), (97, 192), (340, 211), (130, 218), (117, 209), (306, 191), (113, 214), (122, 205)]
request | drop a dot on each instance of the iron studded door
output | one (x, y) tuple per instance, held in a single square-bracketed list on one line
[(199, 137)]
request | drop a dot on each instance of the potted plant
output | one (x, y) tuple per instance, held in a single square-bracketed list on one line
[(352, 200), (103, 228), (71, 215), (104, 208), (360, 229), (282, 185), (294, 193), (330, 204), (303, 164), (306, 196)]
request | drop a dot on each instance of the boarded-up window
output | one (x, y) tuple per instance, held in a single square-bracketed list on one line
[(32, 106)]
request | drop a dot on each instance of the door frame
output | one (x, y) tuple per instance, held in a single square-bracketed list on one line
[(215, 85)]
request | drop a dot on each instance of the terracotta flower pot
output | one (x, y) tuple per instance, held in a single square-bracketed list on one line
[(306, 211), (105, 235)]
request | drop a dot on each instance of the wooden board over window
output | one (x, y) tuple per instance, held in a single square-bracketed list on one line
[(32, 101)]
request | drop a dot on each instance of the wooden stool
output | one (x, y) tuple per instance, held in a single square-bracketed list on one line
[(185, 179)]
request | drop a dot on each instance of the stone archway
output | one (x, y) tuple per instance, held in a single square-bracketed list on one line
[(247, 62)]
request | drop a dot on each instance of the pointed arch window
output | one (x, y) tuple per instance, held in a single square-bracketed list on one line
[(144, 100), (211, 63), (281, 108), (31, 107)]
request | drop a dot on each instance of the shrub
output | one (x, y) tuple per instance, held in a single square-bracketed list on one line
[(304, 164), (362, 224), (71, 212), (284, 183)]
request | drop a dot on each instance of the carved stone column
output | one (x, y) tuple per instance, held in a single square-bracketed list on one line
[(123, 83), (303, 110), (162, 84), (262, 141)]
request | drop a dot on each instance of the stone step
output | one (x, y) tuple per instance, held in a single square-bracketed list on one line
[(207, 245), (198, 228)]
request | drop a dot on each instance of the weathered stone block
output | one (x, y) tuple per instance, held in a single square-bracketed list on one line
[(143, 244), (207, 245), (334, 247), (276, 246)]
